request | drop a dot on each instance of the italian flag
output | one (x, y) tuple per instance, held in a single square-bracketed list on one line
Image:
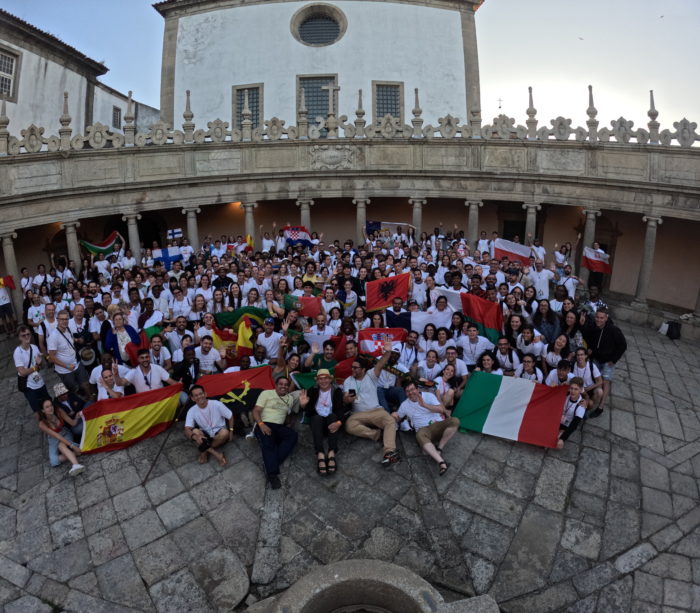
[(106, 246), (511, 408), (596, 261), (511, 250)]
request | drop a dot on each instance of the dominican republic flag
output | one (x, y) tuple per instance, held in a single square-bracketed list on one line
[(596, 261), (106, 246), (371, 340), (381, 293), (516, 409), (297, 235), (513, 251), (174, 233), (487, 315), (167, 256)]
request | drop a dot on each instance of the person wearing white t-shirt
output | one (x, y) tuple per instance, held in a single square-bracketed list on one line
[(473, 346), (107, 387), (209, 425), (28, 361), (561, 375), (270, 340), (209, 358), (431, 421), (540, 279), (592, 379), (147, 376), (574, 411), (62, 352)]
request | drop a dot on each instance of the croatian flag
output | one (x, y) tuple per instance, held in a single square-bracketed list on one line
[(511, 250), (372, 340), (297, 235), (596, 261), (167, 256), (174, 233)]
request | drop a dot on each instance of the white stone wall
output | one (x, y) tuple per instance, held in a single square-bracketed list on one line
[(40, 95), (104, 101), (421, 46)]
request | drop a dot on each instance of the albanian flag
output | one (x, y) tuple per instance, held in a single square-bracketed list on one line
[(381, 293), (238, 390)]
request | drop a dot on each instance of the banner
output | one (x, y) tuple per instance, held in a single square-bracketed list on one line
[(371, 340), (168, 256), (238, 390), (596, 261)]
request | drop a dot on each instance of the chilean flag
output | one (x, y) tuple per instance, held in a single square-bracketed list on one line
[(297, 235), (511, 250), (596, 261), (371, 340)]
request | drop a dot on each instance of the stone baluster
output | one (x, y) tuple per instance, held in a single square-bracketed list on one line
[(417, 120), (588, 238), (531, 117), (188, 126), (8, 252), (192, 228), (417, 218), (129, 125), (653, 125), (360, 121), (249, 208), (360, 218), (592, 113), (302, 117), (247, 119), (4, 133), (64, 132), (640, 297), (72, 240), (305, 205), (473, 207), (133, 233), (530, 220)]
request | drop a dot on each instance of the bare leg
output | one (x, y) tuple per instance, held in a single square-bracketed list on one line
[(447, 435), (606, 392), (429, 448), (66, 453)]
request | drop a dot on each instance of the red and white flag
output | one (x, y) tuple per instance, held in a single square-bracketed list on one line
[(372, 340), (596, 261), (297, 235), (511, 250)]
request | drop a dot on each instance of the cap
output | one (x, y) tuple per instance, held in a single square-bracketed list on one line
[(412, 301), (269, 320), (323, 372), (59, 389)]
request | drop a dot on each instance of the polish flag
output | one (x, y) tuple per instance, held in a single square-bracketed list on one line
[(513, 251), (596, 261)]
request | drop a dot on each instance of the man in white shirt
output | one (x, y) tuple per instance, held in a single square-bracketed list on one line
[(270, 340), (174, 337), (431, 421), (107, 386), (209, 358), (209, 424), (569, 281), (47, 326), (540, 278), (473, 346), (147, 376), (119, 371), (42, 278), (62, 352)]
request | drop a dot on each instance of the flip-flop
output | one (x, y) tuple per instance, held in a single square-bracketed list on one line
[(443, 467)]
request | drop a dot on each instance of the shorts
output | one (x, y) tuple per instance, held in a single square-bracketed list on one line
[(6, 310), (54, 460), (433, 432), (606, 370)]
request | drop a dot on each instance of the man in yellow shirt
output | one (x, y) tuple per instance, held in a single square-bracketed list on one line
[(276, 440)]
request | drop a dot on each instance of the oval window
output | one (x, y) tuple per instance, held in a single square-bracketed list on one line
[(317, 25)]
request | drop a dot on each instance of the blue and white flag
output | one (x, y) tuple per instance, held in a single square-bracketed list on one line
[(297, 235), (167, 256), (174, 233)]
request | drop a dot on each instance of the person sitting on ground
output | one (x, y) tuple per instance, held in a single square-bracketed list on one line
[(71, 404), (561, 375), (592, 379), (56, 424), (574, 411), (209, 424), (430, 419), (324, 410)]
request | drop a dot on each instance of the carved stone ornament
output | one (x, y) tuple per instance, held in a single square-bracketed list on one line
[(504, 127), (332, 157), (685, 133)]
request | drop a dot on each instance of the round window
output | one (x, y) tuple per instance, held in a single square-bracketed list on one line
[(317, 25)]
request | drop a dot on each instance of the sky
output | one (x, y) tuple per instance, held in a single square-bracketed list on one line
[(623, 48)]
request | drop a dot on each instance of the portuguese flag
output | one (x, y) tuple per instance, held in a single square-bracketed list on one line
[(487, 315), (106, 246), (116, 423), (238, 390), (516, 409), (308, 306)]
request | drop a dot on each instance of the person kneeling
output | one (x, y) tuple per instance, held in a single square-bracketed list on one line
[(574, 411), (431, 421), (208, 424)]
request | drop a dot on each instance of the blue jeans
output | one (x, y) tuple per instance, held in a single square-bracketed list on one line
[(392, 396), (275, 446), (54, 460)]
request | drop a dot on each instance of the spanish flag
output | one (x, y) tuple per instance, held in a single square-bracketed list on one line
[(244, 342), (120, 422), (222, 337)]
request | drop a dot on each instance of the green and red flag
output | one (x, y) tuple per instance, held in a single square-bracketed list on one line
[(512, 408), (308, 306), (487, 315), (381, 293), (106, 246)]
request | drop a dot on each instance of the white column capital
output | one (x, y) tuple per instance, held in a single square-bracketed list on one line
[(591, 212), (70, 224), (361, 201), (652, 221), (131, 217), (249, 206), (473, 203), (302, 202), (418, 201), (9, 236), (193, 209), (531, 207)]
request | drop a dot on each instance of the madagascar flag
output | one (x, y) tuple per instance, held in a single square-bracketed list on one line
[(238, 390), (308, 306), (487, 315), (371, 340), (7, 282), (116, 423), (381, 293), (232, 319)]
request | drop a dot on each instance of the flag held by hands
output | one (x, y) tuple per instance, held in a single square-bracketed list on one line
[(596, 261), (487, 315), (381, 292), (511, 250), (371, 340)]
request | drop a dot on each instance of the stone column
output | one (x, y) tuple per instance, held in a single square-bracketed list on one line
[(305, 205), (588, 238), (192, 229), (417, 217), (473, 207), (697, 306), (530, 221), (647, 258), (360, 218), (133, 231), (72, 241), (249, 207), (8, 252)]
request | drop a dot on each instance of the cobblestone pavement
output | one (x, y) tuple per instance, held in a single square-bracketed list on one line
[(610, 523)]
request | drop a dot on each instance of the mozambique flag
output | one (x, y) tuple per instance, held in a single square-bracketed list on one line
[(119, 422), (487, 315), (238, 390), (232, 319), (8, 282), (381, 293), (308, 306), (106, 246)]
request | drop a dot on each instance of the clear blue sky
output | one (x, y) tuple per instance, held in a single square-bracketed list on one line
[(623, 48)]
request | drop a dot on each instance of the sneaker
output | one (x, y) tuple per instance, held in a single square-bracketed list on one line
[(391, 457), (76, 470), (275, 482), (405, 426), (596, 413)]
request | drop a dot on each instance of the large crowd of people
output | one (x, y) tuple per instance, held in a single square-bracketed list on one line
[(81, 321)]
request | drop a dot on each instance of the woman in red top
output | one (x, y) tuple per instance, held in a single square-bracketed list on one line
[(61, 446)]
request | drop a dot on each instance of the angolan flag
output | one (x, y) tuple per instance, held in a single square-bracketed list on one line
[(116, 423), (106, 246), (381, 293), (596, 261), (238, 390), (511, 250), (487, 315), (371, 340), (297, 235), (512, 408)]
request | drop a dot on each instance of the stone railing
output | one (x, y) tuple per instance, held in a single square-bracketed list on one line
[(332, 127)]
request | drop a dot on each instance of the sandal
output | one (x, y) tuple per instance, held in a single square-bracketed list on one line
[(332, 465), (321, 466), (443, 467)]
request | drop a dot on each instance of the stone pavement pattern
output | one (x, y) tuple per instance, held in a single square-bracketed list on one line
[(610, 523)]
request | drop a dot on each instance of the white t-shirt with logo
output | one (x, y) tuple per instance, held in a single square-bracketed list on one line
[(62, 343), (21, 358), (419, 416)]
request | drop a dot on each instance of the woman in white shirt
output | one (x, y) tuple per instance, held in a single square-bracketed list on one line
[(528, 370)]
